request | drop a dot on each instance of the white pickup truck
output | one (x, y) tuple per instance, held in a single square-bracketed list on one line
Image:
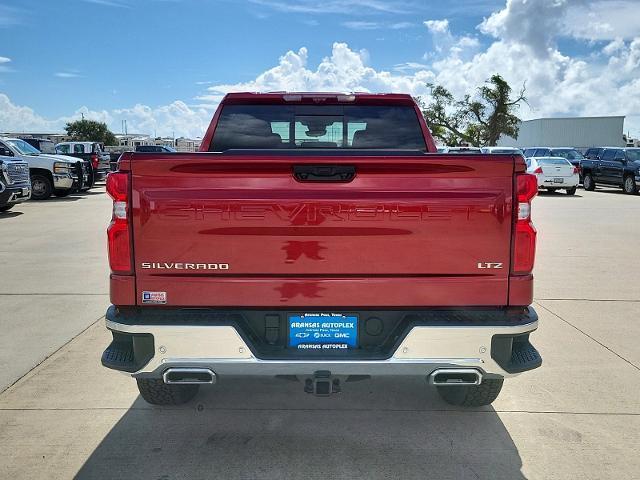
[(50, 174)]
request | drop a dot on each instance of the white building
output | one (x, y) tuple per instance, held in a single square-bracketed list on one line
[(578, 132), (134, 140), (187, 144)]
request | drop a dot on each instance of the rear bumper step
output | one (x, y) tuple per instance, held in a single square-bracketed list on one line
[(481, 349)]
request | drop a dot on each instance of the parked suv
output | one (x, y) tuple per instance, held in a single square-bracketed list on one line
[(50, 174), (15, 186), (594, 153), (616, 166)]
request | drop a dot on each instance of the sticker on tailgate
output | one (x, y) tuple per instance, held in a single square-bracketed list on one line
[(154, 297)]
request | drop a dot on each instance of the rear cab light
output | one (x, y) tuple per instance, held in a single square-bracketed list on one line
[(524, 242), (119, 232)]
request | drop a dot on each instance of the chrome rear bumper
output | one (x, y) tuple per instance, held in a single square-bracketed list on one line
[(221, 349)]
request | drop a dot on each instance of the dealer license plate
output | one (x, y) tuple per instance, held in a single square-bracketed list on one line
[(323, 331)]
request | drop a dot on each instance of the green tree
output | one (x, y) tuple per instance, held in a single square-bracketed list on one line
[(90, 130), (477, 121)]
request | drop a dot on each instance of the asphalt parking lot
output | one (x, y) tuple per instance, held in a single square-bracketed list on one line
[(63, 415)]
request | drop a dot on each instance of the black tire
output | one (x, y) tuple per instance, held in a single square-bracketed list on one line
[(629, 185), (61, 193), (4, 208), (572, 190), (472, 395), (588, 183), (156, 392), (41, 187)]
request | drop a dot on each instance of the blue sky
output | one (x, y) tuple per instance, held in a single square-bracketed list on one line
[(152, 60)]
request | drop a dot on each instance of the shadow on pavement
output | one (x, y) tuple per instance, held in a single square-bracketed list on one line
[(10, 214), (546, 193), (390, 428)]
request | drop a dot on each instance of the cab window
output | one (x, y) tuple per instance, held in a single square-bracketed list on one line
[(608, 154)]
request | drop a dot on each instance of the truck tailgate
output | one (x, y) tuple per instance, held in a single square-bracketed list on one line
[(235, 230)]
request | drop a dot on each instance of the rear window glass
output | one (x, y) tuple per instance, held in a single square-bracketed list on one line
[(569, 154), (47, 147), (553, 161), (309, 126), (633, 155), (608, 154)]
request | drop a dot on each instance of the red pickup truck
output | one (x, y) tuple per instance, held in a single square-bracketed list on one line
[(320, 236)]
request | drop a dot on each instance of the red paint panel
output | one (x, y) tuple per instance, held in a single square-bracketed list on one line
[(521, 290), (430, 217), (334, 292), (122, 289)]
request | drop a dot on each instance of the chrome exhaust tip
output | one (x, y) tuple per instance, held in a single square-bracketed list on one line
[(188, 376), (455, 376)]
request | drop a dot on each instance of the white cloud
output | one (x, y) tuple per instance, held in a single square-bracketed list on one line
[(604, 20), (4, 67), (108, 3), (334, 6), (533, 23), (344, 70), (410, 66), (361, 25), (604, 83), (538, 23), (366, 25), (437, 26), (67, 75), (401, 25), (444, 42), (9, 16), (176, 117)]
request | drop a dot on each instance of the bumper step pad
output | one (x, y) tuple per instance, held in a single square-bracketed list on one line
[(524, 356), (128, 352), (515, 354)]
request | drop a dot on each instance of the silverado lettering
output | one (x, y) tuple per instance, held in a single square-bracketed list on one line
[(357, 250), (185, 266)]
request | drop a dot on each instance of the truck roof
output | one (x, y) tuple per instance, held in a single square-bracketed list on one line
[(317, 97)]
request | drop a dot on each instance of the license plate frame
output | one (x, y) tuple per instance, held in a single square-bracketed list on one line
[(322, 331), (558, 180)]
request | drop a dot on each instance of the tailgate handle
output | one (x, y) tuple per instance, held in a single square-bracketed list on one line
[(324, 173)]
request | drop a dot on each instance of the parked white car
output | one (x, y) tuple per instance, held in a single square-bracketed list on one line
[(554, 173), (512, 150), (459, 150)]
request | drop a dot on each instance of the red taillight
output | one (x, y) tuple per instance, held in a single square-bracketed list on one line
[(576, 170), (119, 239), (524, 244), (94, 160), (538, 170)]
